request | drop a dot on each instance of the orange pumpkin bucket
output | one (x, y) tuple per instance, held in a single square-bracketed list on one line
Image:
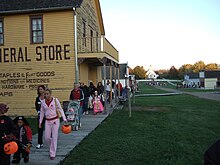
[(66, 129), (11, 147)]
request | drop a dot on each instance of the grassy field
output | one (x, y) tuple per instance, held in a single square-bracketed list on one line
[(192, 89), (146, 89), (168, 130)]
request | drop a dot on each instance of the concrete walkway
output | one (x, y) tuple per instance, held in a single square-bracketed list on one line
[(66, 143), (205, 95)]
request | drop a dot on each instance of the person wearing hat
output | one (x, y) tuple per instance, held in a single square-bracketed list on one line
[(7, 133), (24, 139)]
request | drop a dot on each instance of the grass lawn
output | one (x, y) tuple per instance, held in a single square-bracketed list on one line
[(146, 89), (192, 89), (168, 130)]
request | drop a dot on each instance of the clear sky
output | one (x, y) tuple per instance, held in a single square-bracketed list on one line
[(163, 33)]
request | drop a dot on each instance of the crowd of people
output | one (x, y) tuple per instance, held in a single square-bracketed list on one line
[(49, 110)]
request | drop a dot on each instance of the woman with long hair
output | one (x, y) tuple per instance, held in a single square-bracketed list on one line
[(38, 101), (51, 109)]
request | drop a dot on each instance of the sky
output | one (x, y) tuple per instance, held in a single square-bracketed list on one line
[(163, 33)]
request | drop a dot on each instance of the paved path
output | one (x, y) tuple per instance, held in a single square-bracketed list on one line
[(66, 143), (205, 95)]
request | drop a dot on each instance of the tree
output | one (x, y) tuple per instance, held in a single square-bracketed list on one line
[(173, 73), (139, 72), (163, 73), (211, 66), (131, 71), (198, 66), (184, 69)]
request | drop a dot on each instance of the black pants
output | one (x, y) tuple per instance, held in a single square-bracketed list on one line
[(21, 152), (4, 158), (40, 131)]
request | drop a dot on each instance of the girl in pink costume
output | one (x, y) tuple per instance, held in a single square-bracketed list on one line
[(97, 104), (49, 109)]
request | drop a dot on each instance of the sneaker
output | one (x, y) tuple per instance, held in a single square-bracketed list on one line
[(52, 158), (87, 112), (26, 159), (39, 146)]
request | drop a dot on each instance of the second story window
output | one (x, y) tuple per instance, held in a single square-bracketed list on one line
[(84, 33), (1, 32), (36, 29)]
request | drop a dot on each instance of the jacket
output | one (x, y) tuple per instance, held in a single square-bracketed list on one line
[(51, 111)]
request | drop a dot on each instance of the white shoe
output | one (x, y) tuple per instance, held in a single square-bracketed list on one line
[(39, 146)]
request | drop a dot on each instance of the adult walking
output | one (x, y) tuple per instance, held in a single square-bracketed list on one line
[(50, 109), (77, 95), (85, 90), (38, 101)]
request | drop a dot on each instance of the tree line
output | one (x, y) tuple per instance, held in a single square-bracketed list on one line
[(173, 72)]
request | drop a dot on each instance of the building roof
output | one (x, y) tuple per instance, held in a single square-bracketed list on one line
[(25, 6), (193, 75), (212, 74)]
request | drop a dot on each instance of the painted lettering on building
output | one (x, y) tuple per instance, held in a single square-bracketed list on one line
[(42, 53)]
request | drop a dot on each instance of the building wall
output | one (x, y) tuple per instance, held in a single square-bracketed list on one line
[(19, 80), (84, 73), (210, 83)]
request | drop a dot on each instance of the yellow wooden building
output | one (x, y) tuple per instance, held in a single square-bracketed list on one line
[(37, 46)]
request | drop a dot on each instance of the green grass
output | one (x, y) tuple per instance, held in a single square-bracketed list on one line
[(191, 89), (177, 134), (146, 89)]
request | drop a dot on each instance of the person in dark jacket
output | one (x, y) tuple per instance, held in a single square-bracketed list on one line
[(7, 133), (24, 140), (38, 101), (85, 90), (92, 88), (212, 154), (100, 88)]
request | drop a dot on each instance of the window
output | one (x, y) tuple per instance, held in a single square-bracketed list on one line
[(36, 29), (97, 41), (1, 32), (91, 42), (84, 33)]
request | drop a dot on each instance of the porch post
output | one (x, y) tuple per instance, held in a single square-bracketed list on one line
[(111, 84), (116, 97), (104, 61), (119, 92)]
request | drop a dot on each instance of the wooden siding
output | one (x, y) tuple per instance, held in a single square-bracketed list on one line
[(28, 73)]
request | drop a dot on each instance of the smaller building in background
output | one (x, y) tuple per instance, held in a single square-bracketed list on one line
[(151, 74), (203, 79), (191, 80), (210, 79)]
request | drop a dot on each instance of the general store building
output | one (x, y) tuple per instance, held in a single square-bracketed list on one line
[(37, 46)]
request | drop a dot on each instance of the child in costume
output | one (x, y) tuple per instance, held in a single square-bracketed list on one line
[(24, 140), (7, 133), (97, 104)]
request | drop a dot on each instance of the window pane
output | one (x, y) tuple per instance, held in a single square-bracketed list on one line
[(1, 38), (1, 27), (37, 33)]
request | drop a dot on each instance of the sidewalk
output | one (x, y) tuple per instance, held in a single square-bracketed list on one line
[(66, 143)]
